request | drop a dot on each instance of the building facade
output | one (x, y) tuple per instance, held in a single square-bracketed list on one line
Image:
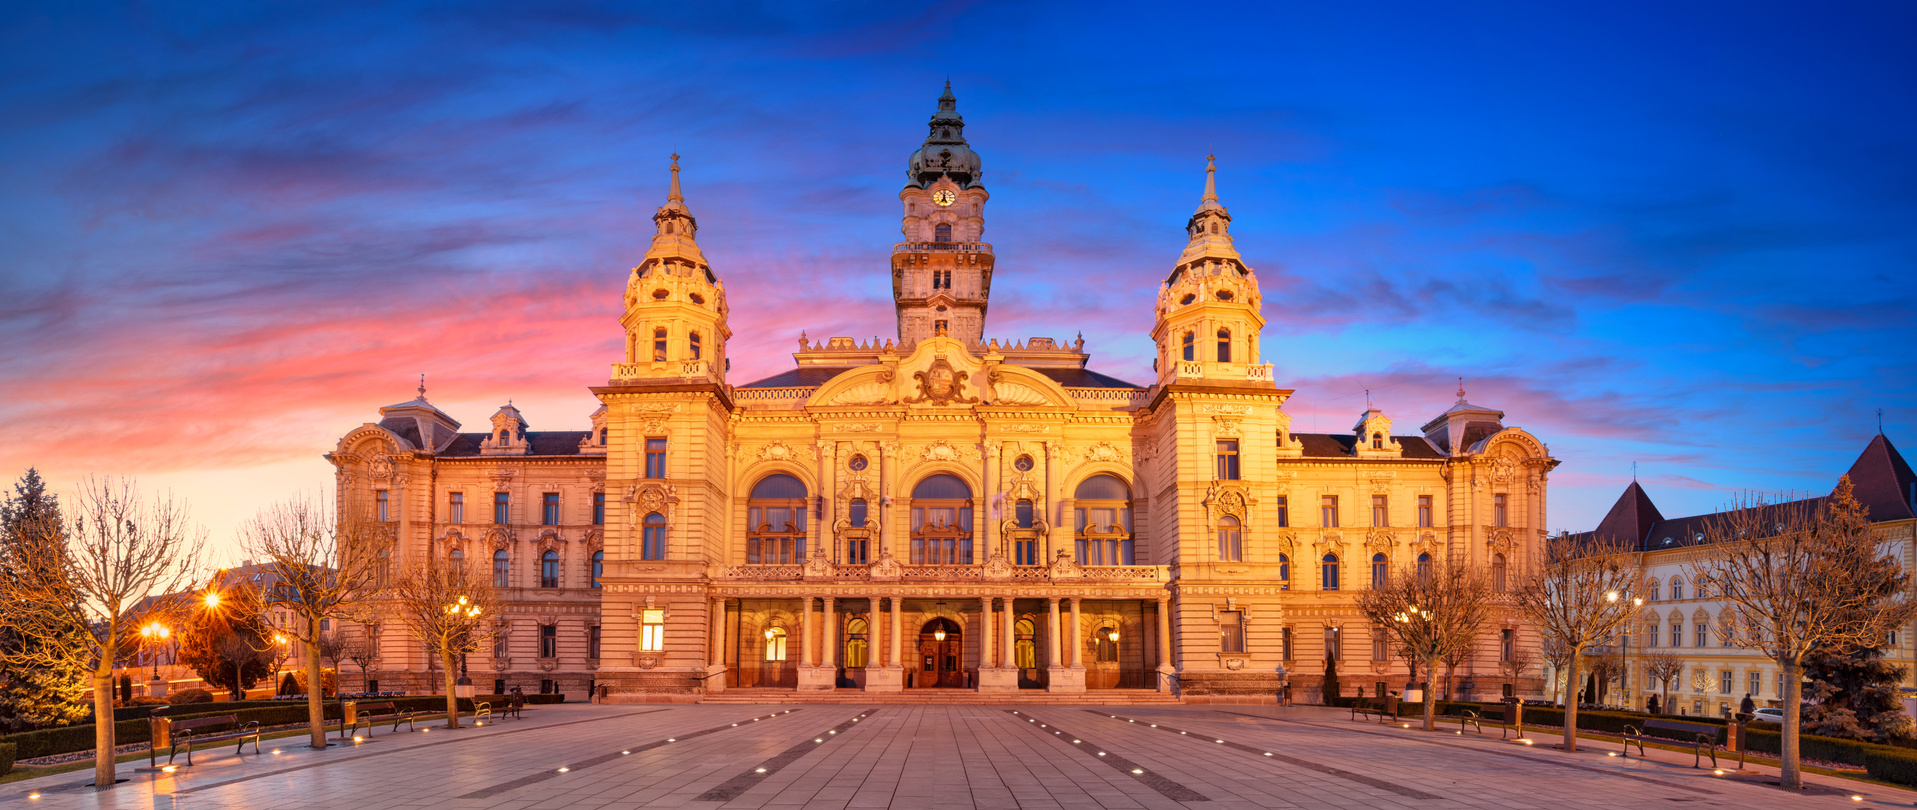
[(945, 509), (1681, 619)]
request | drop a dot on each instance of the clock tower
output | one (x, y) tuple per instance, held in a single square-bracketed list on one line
[(942, 272)]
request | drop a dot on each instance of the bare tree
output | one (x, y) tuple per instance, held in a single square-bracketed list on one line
[(361, 651), (1607, 667), (1664, 668), (1430, 612), (1518, 663), (1456, 657), (1578, 594), (1797, 576), (449, 611), (86, 578), (1558, 658), (321, 565)]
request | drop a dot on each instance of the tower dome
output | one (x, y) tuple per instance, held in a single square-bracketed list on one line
[(945, 153)]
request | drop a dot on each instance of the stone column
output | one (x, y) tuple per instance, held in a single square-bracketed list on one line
[(1078, 646), (1165, 667), (985, 632), (805, 632), (1052, 521), (1008, 658), (718, 655), (1062, 677), (891, 677), (888, 461), (1052, 645), (991, 676), (828, 474), (829, 652), (994, 507), (875, 652)]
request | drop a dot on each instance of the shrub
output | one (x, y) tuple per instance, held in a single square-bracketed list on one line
[(190, 696), (1892, 765), (6, 758), (147, 700)]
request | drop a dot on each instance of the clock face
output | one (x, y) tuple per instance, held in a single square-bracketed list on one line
[(944, 196)]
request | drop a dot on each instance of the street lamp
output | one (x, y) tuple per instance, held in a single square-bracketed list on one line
[(212, 599), (155, 633)]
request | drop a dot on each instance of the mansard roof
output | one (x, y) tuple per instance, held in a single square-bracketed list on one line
[(1083, 378), (542, 443), (1336, 445), (800, 377)]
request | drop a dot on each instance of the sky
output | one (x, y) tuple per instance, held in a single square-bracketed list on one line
[(1670, 235)]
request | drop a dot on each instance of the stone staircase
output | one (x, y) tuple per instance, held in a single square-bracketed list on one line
[(942, 697)]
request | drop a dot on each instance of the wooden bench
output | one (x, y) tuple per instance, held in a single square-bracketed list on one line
[(1385, 708), (514, 703), (187, 733), (1465, 717), (1703, 737), (369, 713)]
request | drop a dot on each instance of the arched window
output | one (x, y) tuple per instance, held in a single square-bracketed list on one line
[(1424, 567), (1214, 227), (1379, 573), (775, 644), (1231, 540), (1284, 572), (1105, 644), (942, 521), (458, 560), (1104, 520), (598, 567), (1025, 648), (1497, 573), (1330, 564), (1677, 588), (1190, 342), (549, 569), (1654, 590), (943, 233), (383, 568), (775, 521), (1224, 345), (652, 537), (1377, 441), (659, 345), (692, 343), (502, 568), (856, 644)]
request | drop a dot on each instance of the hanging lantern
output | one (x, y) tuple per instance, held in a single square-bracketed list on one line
[(1112, 633), (939, 633)]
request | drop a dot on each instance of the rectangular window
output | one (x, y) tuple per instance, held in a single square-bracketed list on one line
[(502, 506), (1650, 636), (1724, 682), (550, 514), (1380, 511), (1228, 460), (1328, 511), (502, 566), (599, 509), (1284, 512), (1780, 685), (1703, 634), (1757, 684), (1424, 511), (549, 641), (384, 503), (499, 642), (1334, 644), (855, 513), (1231, 631), (1497, 510), (656, 458), (1285, 641), (592, 642), (456, 507), (652, 630), (1507, 640), (1380, 645)]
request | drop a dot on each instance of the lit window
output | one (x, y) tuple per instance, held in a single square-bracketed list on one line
[(652, 630), (1228, 460), (775, 644), (1231, 631), (656, 458), (857, 643), (1104, 645)]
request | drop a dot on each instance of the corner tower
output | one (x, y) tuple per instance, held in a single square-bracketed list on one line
[(1207, 316), (675, 316), (942, 272)]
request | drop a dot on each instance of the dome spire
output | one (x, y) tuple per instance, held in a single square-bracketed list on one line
[(674, 195), (1211, 181)]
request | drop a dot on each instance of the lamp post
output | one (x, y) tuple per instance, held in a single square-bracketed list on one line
[(155, 633), (465, 614)]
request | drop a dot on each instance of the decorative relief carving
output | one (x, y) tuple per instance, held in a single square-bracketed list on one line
[(653, 407), (859, 427), (942, 450), (502, 477), (381, 468), (1105, 451), (1225, 427), (1380, 541), (655, 425), (940, 384), (779, 451), (1500, 541), (1013, 393), (1241, 410), (1503, 470), (1025, 428), (871, 392)]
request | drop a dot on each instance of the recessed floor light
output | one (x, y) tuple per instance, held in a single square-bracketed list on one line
[(761, 770), (563, 770), (1101, 753), (625, 753)]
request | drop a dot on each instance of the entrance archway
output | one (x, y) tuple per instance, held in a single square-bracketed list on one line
[(941, 660)]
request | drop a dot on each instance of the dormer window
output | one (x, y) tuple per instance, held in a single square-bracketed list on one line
[(1377, 441), (1191, 346), (1224, 345)]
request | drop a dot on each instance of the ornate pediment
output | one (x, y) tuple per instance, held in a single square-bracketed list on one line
[(1226, 498), (381, 467), (941, 383), (780, 451), (943, 450), (1380, 541), (502, 477), (1063, 567), (1501, 541), (877, 390)]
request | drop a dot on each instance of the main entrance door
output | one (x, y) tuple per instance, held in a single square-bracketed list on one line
[(941, 660)]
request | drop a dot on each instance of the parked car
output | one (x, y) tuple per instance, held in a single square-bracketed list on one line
[(1770, 715)]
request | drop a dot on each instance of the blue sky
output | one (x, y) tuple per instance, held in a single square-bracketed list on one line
[(1675, 234)]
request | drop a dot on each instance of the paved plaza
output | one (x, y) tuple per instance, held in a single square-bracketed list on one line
[(939, 756)]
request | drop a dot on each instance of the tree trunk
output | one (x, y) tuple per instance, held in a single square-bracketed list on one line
[(1571, 701), (103, 724), (1430, 695), (452, 698), (315, 700), (1791, 776)]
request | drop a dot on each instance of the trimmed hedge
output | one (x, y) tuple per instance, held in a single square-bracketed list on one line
[(69, 739), (531, 700), (6, 758), (1896, 765)]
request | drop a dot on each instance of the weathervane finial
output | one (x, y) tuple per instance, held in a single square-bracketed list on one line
[(422, 388)]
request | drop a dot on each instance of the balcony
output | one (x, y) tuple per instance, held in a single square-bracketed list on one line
[(879, 572), (666, 369), (1189, 371), (942, 247)]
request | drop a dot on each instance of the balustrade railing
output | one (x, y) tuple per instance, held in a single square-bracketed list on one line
[(948, 573)]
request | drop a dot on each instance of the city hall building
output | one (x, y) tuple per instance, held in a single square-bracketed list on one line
[(945, 509)]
